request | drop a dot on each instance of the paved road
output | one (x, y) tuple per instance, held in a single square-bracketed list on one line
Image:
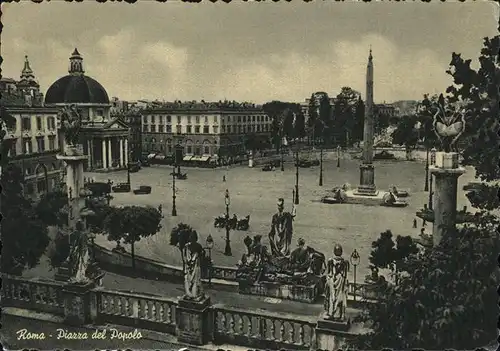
[(201, 197)]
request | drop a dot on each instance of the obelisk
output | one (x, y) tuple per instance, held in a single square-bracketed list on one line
[(367, 171)]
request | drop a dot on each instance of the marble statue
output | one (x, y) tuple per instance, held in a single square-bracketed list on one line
[(79, 257), (70, 124), (448, 124), (280, 236), (306, 259), (193, 254), (336, 285)]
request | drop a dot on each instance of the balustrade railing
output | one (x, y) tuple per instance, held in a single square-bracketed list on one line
[(225, 273), (152, 312), (252, 329), (42, 296)]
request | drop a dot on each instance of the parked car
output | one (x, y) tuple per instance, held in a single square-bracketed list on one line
[(143, 190), (121, 188), (384, 155)]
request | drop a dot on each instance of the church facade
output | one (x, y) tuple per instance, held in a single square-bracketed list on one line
[(104, 137)]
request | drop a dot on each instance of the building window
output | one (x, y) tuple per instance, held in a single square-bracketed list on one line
[(239, 118), (27, 146), (206, 150), (179, 130), (26, 123), (258, 127), (161, 128), (188, 119), (198, 151), (223, 129), (41, 185), (52, 123), (169, 128), (253, 118), (215, 119), (189, 129), (239, 129), (161, 119), (99, 112), (145, 128), (197, 119), (197, 129), (216, 129), (39, 123), (153, 128), (205, 130), (206, 119), (178, 119), (229, 118), (52, 142), (189, 149), (40, 143), (153, 119), (169, 119)]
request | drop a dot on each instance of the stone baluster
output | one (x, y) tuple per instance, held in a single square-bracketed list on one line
[(135, 308), (240, 325), (232, 324), (282, 331), (273, 330), (301, 335), (291, 333)]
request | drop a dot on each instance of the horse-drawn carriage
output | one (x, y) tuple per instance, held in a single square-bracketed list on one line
[(143, 190), (233, 222), (121, 188), (268, 168)]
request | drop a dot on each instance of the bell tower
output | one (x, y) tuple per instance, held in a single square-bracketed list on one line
[(76, 63)]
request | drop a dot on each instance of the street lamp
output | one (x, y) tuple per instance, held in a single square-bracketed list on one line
[(338, 156), (210, 246), (426, 186), (174, 208), (227, 250), (297, 175), (431, 192), (321, 166), (355, 261)]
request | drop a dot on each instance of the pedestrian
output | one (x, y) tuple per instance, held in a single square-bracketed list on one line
[(415, 223), (424, 223), (223, 178)]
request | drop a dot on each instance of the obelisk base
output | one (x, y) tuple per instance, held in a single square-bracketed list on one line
[(367, 181)]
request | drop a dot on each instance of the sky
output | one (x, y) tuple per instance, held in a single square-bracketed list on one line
[(246, 51)]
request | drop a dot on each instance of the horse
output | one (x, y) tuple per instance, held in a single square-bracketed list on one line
[(220, 222), (243, 224)]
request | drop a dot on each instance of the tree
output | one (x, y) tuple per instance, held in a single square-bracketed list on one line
[(358, 125), (406, 133), (24, 235), (345, 116), (478, 90), (132, 223), (320, 120), (274, 110), (50, 208), (179, 237)]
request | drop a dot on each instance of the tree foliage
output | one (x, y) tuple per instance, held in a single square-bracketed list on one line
[(478, 91), (406, 133), (348, 113), (131, 224), (179, 237), (320, 120), (389, 254), (51, 206), (24, 235)]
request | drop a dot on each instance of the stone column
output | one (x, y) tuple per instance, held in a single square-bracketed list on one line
[(91, 156), (446, 173), (110, 155), (194, 321), (121, 152), (104, 154), (126, 152), (89, 153)]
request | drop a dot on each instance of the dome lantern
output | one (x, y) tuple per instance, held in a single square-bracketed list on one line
[(76, 63)]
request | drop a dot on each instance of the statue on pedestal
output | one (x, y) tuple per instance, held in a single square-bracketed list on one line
[(70, 126), (336, 285), (79, 257), (448, 124), (280, 236), (193, 254)]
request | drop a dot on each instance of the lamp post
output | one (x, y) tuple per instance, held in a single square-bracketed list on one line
[(355, 262), (431, 192), (227, 250), (282, 157), (321, 166), (174, 208), (338, 156), (210, 245), (297, 175), (426, 186)]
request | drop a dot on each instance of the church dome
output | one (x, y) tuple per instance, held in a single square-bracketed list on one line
[(76, 87)]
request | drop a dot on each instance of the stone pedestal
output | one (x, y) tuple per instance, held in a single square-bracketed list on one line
[(80, 306), (366, 181), (446, 173), (63, 272), (194, 321), (74, 181), (330, 334), (250, 159)]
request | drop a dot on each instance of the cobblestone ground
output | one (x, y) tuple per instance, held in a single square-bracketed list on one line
[(201, 197)]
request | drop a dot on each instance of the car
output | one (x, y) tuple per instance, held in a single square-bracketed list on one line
[(384, 155), (121, 188), (143, 190)]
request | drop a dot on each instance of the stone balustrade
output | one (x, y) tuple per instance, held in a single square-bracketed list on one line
[(262, 329)]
